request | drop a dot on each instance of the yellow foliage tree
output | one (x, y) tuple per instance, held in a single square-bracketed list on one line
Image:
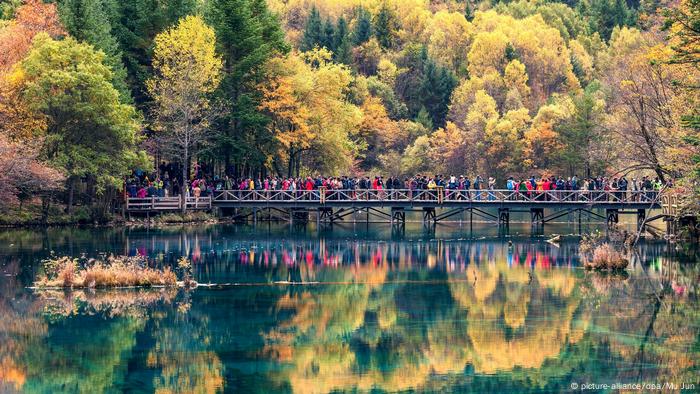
[(447, 149), (187, 69), (310, 112), (450, 39)]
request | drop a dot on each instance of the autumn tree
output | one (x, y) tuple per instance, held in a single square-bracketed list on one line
[(366, 57), (643, 115), (24, 175), (542, 142), (187, 70), (89, 131), (17, 119), (283, 101), (312, 119), (683, 22), (447, 148), (377, 130), (450, 38)]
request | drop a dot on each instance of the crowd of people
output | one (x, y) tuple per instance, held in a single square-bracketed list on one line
[(162, 184)]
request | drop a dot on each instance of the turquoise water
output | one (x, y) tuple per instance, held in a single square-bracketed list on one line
[(352, 308)]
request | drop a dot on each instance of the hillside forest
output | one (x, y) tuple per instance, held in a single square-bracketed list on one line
[(91, 90)]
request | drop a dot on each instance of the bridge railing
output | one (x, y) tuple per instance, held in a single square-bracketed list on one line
[(166, 203), (438, 195)]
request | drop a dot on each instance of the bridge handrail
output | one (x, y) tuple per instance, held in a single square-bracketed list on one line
[(166, 203), (439, 195)]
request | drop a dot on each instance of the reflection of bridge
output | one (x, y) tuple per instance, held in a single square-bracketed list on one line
[(435, 205)]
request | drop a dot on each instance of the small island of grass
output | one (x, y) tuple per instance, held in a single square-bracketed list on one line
[(113, 272)]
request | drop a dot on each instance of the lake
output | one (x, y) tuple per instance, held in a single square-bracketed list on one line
[(350, 308)]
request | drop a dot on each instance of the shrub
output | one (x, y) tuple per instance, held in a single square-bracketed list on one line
[(597, 253), (605, 256)]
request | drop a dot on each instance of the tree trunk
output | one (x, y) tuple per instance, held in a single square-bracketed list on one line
[(183, 187), (650, 145), (45, 206), (290, 167), (71, 192)]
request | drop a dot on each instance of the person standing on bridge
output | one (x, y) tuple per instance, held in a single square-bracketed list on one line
[(432, 185), (477, 187)]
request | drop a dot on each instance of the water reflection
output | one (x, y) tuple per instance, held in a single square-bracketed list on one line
[(344, 314)]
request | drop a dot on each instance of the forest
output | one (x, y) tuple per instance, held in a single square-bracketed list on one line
[(91, 90)]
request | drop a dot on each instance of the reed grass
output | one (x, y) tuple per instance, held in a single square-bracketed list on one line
[(121, 271)]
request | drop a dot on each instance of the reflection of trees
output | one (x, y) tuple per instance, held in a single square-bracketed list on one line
[(46, 347), (54, 367), (650, 308), (515, 321), (392, 330), (181, 352), (21, 329), (530, 327)]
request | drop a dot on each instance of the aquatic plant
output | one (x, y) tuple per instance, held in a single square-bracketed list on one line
[(185, 267), (121, 271)]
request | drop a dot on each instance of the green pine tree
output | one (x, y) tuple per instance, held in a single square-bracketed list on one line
[(363, 27), (313, 31), (248, 34), (135, 23), (438, 84), (385, 27), (88, 21), (343, 47), (328, 36), (468, 13), (423, 118)]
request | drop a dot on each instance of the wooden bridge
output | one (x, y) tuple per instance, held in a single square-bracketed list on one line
[(166, 204), (436, 205)]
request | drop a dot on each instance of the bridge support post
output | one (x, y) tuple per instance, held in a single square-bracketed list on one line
[(613, 216), (326, 214), (537, 216), (641, 216), (503, 217), (428, 215), (398, 216)]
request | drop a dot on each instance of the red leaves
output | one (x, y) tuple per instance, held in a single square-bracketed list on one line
[(30, 19)]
